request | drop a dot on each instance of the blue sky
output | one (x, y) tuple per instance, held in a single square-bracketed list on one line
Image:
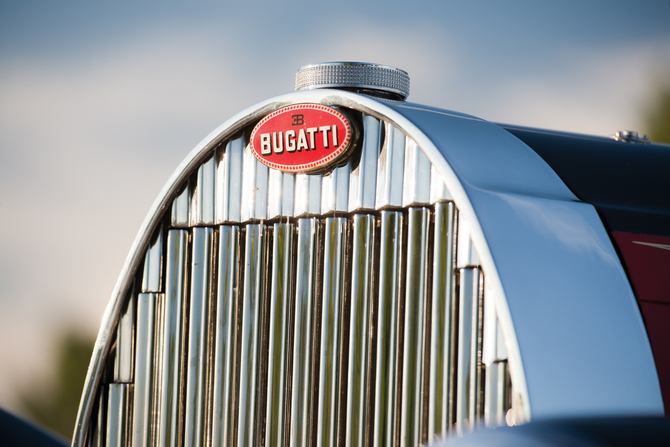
[(99, 104)]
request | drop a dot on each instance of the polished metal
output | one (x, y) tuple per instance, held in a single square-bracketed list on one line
[(281, 191), (307, 194), (98, 427), (152, 277), (390, 252), (280, 295), (466, 254), (229, 181), (416, 180), (335, 190), (354, 75), (391, 168), (303, 333), (117, 433), (496, 394), (181, 206), (416, 285), (254, 187), (170, 430), (202, 205), (363, 180), (631, 136), (443, 324), (157, 376), (255, 259), (438, 188), (468, 378), (125, 344), (227, 299), (493, 349), (332, 297), (143, 392), (358, 380), (199, 345)]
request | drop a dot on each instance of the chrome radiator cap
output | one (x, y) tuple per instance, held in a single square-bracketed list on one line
[(375, 79)]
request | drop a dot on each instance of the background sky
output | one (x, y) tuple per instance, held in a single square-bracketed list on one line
[(100, 102)]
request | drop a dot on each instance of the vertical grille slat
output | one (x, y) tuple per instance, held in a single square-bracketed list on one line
[(303, 334), (118, 414), (331, 317), (153, 265), (359, 332), (225, 326), (254, 270), (229, 182), (144, 370), (363, 179), (391, 168), (414, 321), (198, 337), (387, 328), (125, 343), (280, 290)]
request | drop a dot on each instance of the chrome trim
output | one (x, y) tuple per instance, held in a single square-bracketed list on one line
[(125, 344), (468, 378), (142, 435), (387, 328), (495, 396), (97, 431), (280, 296), (157, 378), (199, 347), (363, 180), (303, 335), (152, 276), (117, 415), (466, 254), (307, 194), (443, 325), (391, 168), (229, 181), (335, 190), (254, 187), (173, 338), (203, 202), (181, 206), (225, 325), (438, 189), (416, 285), (358, 380), (416, 178), (255, 260), (332, 297), (281, 190)]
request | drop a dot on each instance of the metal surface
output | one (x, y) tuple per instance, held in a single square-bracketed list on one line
[(630, 136), (438, 189), (181, 206), (143, 391), (307, 194), (254, 187), (335, 190), (281, 190), (303, 335), (443, 325), (202, 206), (170, 429), (332, 296), (358, 379), (117, 432), (354, 75), (466, 255), (224, 351), (416, 179), (391, 168), (416, 283), (199, 347), (157, 376), (97, 430), (255, 260), (280, 295), (152, 277), (229, 181), (387, 328), (125, 344), (468, 372), (363, 180)]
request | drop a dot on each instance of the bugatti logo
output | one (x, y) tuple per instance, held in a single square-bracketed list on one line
[(301, 138)]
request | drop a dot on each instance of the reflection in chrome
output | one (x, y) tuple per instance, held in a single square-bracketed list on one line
[(125, 344), (390, 252), (225, 323), (202, 208), (468, 379), (335, 190), (254, 270), (157, 377), (363, 182), (443, 325), (153, 265), (278, 335), (303, 335), (331, 322), (173, 338), (117, 415), (96, 436), (416, 281), (229, 182), (281, 187), (181, 207), (494, 357), (144, 370), (359, 329), (391, 168), (416, 188), (307, 194), (254, 187), (466, 255), (198, 352)]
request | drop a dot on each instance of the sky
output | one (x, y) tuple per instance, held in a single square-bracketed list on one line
[(99, 103)]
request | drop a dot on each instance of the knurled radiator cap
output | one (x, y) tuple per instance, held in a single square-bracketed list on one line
[(359, 76)]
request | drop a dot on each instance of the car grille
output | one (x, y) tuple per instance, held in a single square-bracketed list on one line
[(345, 308)]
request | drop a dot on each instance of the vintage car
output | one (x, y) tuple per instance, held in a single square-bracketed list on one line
[(337, 266)]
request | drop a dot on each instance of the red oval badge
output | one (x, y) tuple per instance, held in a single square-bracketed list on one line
[(301, 137)]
